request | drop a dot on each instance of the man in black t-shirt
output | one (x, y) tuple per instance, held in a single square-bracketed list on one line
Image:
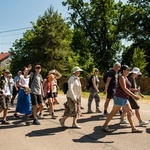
[(110, 85)]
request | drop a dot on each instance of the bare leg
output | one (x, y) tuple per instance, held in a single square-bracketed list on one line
[(115, 109)]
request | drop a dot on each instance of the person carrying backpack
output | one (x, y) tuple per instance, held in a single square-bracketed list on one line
[(110, 85), (73, 99), (94, 91)]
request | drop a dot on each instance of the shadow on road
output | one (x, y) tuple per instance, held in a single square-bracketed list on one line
[(148, 130), (45, 132), (99, 134)]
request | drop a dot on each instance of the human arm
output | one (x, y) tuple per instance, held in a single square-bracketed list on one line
[(122, 82), (107, 84), (57, 74)]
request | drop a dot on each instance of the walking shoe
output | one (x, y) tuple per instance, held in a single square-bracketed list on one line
[(54, 117), (124, 122), (98, 111), (17, 116), (105, 114), (143, 123), (36, 122), (40, 116), (5, 122), (108, 130), (89, 111)]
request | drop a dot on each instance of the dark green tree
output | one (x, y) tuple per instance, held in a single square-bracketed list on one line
[(98, 22), (47, 43)]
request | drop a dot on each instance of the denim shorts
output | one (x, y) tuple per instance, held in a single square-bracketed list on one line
[(120, 101)]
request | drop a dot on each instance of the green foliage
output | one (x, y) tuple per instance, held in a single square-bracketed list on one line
[(98, 23), (47, 43), (139, 60)]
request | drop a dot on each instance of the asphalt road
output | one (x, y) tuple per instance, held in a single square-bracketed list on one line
[(22, 135)]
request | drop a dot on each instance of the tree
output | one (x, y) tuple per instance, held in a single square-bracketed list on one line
[(139, 60), (98, 21), (47, 43), (136, 27)]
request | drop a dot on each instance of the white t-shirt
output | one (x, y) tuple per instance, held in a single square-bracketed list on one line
[(24, 81)]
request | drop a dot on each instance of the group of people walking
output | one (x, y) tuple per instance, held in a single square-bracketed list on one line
[(38, 92)]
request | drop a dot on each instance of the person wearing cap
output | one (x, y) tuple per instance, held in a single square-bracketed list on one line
[(121, 99), (94, 91), (15, 87), (134, 73), (73, 98), (36, 86), (110, 85), (4, 95)]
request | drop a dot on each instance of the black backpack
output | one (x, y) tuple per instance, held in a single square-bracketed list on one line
[(89, 83), (65, 87), (105, 76)]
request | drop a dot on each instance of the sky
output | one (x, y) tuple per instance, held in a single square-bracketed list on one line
[(18, 14)]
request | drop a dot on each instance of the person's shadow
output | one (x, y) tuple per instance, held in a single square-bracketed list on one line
[(45, 132), (148, 130), (99, 134)]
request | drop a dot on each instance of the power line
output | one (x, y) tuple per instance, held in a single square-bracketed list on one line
[(15, 30), (11, 34)]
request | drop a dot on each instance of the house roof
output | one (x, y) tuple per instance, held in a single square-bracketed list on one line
[(3, 56)]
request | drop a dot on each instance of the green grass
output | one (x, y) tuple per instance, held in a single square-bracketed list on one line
[(103, 96)]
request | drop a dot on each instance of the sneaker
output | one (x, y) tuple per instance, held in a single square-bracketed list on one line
[(98, 111), (108, 130), (143, 123), (76, 126), (36, 122), (54, 117), (105, 114), (89, 111), (40, 116), (17, 116), (124, 122), (5, 122)]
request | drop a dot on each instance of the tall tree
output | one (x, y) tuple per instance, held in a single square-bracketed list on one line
[(47, 43), (98, 20), (136, 23)]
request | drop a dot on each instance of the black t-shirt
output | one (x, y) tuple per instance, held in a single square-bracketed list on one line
[(113, 82), (132, 81)]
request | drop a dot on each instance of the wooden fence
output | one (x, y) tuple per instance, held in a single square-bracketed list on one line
[(143, 82)]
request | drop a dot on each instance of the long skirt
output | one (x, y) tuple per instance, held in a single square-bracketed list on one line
[(23, 103)]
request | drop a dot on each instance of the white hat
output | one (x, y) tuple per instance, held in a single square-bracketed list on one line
[(52, 72), (136, 71), (75, 69)]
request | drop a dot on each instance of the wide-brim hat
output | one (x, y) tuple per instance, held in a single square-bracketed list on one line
[(76, 69), (136, 71)]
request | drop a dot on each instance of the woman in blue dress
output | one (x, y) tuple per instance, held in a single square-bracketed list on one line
[(24, 102)]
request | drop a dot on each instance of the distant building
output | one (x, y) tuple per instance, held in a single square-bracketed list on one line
[(5, 60)]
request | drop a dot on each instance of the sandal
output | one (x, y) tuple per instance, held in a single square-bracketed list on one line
[(108, 130), (137, 131), (61, 122)]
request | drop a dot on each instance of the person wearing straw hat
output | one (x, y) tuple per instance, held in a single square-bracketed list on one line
[(134, 73), (73, 99)]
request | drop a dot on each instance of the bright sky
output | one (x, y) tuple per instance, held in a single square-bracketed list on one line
[(17, 14)]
